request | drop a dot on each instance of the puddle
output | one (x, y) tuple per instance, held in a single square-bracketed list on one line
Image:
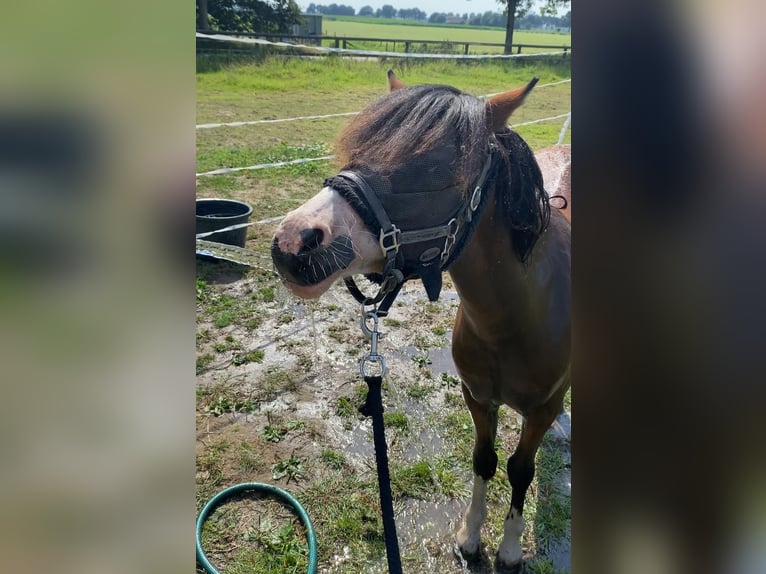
[(440, 358), (417, 520)]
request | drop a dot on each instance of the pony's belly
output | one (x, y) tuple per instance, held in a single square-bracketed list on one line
[(493, 378)]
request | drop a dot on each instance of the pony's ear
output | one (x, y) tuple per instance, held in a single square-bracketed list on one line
[(394, 83), (501, 106)]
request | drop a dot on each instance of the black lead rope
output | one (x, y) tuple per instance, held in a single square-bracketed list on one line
[(373, 407)]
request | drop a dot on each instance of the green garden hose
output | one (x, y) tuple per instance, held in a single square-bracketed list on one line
[(283, 495)]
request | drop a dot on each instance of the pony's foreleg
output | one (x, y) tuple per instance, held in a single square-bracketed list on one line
[(521, 470), (484, 466)]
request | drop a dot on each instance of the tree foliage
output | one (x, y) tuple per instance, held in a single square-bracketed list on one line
[(251, 15), (386, 11), (331, 10)]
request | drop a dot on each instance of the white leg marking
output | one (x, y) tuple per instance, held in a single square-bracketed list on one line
[(509, 552), (469, 536)]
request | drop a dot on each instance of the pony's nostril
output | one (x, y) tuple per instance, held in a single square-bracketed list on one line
[(311, 239)]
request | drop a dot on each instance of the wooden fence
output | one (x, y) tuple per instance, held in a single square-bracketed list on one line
[(391, 44)]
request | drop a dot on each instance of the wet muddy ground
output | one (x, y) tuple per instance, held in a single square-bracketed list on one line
[(278, 383)]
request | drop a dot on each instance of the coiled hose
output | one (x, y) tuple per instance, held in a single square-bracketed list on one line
[(269, 489)]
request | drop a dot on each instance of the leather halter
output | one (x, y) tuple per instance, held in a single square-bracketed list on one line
[(420, 252)]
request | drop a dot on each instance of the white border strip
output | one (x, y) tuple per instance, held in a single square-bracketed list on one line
[(256, 122), (540, 120), (564, 129), (226, 170)]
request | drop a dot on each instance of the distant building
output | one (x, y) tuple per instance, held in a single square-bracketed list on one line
[(311, 26)]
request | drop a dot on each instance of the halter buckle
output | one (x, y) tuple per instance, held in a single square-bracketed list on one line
[(389, 240), (452, 228), (475, 198)]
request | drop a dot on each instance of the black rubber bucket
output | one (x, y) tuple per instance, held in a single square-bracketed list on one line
[(213, 214)]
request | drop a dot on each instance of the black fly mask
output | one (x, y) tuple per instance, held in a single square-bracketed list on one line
[(421, 217)]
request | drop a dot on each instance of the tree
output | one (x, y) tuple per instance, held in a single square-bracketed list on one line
[(203, 22), (518, 8), (253, 15), (366, 11), (386, 11), (437, 18)]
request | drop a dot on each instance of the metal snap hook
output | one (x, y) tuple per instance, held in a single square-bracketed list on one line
[(369, 360)]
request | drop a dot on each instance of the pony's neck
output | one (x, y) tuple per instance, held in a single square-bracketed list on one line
[(488, 275)]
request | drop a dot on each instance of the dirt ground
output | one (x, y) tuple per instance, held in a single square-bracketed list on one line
[(277, 391)]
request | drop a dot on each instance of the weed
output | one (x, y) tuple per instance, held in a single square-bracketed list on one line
[(305, 363), (255, 356), (449, 380), (397, 420), (345, 408), (202, 290), (277, 379), (285, 317), (332, 459), (273, 433), (203, 361), (267, 294), (541, 566), (292, 468), (424, 341), (454, 400), (414, 481), (421, 360), (338, 332), (419, 392), (439, 330), (248, 460), (458, 426), (203, 336), (450, 483), (220, 399), (224, 319), (293, 425)]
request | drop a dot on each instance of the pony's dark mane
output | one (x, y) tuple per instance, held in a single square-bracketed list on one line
[(520, 193), (407, 123)]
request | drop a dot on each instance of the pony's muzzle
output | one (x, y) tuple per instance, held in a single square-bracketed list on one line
[(313, 262)]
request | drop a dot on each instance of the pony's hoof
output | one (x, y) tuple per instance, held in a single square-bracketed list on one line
[(464, 555), (515, 568)]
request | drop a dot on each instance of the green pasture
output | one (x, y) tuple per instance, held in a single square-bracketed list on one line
[(290, 87), (453, 34)]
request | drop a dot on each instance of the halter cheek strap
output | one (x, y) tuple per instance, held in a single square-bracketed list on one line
[(389, 239)]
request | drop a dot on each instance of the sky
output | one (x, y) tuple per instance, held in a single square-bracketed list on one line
[(428, 6)]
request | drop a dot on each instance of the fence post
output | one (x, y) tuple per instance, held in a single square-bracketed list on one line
[(344, 43), (518, 50), (337, 43), (466, 48)]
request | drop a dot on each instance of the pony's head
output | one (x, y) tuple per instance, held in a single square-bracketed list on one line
[(406, 147)]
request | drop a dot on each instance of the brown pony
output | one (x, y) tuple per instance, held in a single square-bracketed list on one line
[(510, 266)]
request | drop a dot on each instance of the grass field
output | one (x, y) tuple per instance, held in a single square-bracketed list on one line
[(453, 34), (277, 382)]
